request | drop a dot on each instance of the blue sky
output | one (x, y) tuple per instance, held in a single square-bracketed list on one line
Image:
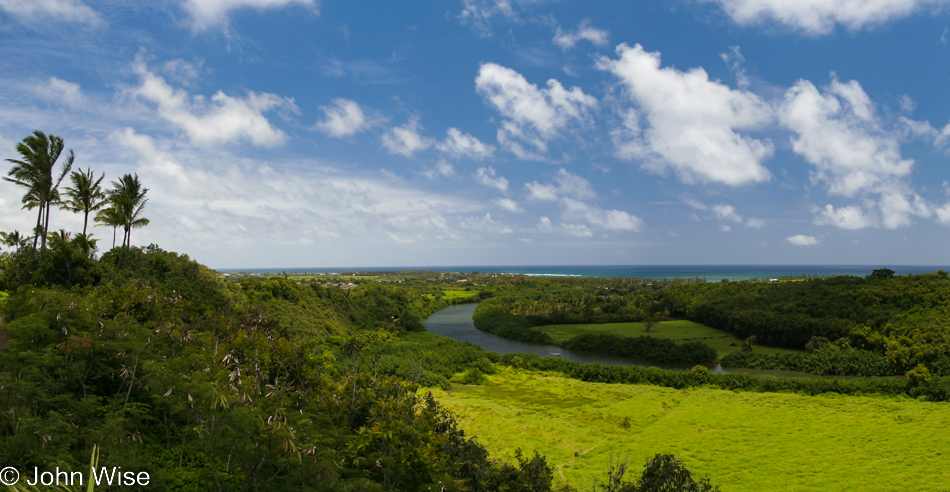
[(283, 133)]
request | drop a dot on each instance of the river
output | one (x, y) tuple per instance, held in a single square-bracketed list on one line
[(455, 322)]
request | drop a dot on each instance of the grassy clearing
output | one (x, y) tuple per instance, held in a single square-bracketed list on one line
[(458, 294), (742, 441), (679, 330)]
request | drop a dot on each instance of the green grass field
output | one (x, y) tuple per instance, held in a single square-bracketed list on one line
[(742, 441), (458, 294), (679, 330)]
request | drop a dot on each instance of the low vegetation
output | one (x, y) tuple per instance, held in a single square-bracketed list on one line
[(746, 441)]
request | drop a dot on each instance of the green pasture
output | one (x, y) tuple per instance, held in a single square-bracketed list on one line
[(678, 330), (743, 441), (451, 294)]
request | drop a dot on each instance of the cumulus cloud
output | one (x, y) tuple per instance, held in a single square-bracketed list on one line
[(460, 144), (838, 132), (688, 123), (56, 89), (486, 176), (943, 214), (210, 13), (802, 240), (815, 17), (533, 116), (850, 217), (585, 32), (406, 139), (222, 119), (43, 11), (345, 118), (508, 204)]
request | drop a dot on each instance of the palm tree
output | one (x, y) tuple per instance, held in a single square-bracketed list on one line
[(110, 216), (35, 173), (128, 200), (13, 239), (85, 195)]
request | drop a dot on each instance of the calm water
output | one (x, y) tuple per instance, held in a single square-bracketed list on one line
[(711, 273), (456, 322)]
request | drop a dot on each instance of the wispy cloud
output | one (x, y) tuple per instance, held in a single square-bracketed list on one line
[(206, 14)]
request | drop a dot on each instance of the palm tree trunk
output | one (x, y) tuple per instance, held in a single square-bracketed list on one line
[(85, 221), (36, 230), (46, 225), (113, 236)]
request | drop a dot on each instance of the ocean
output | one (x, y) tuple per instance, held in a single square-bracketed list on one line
[(710, 273)]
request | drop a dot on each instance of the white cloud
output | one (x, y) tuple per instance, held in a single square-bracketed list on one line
[(222, 119), (726, 212), (755, 223), (566, 185), (802, 240), (486, 176), (508, 204), (533, 116), (478, 14), (344, 118), (851, 217), (544, 223), (210, 198), (734, 60), (541, 192), (181, 71), (460, 144), (444, 168), (838, 132), (943, 214), (43, 11), (897, 209), (816, 17), (66, 92), (692, 122), (210, 13), (585, 31), (616, 220), (406, 139)]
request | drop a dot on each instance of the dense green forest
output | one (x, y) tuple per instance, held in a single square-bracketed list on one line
[(878, 325)]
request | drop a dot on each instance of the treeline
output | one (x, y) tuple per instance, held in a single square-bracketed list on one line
[(905, 319), (491, 317), (653, 349), (918, 384), (829, 361)]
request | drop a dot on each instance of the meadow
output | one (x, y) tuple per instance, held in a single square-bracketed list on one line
[(741, 440), (677, 330)]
